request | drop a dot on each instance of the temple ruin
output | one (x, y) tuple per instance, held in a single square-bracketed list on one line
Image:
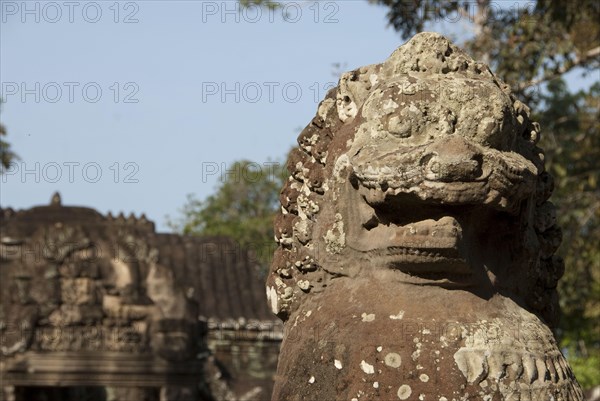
[(103, 308)]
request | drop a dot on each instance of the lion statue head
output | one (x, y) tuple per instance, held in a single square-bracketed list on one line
[(426, 166), (418, 194)]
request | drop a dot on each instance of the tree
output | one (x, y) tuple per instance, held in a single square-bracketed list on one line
[(242, 207), (572, 142), (6, 153), (531, 46)]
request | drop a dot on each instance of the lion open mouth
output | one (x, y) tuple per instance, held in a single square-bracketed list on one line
[(424, 251), (413, 220), (429, 250)]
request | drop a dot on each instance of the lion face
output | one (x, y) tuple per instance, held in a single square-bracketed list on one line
[(432, 166)]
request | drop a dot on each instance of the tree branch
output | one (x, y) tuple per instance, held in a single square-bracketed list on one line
[(566, 67)]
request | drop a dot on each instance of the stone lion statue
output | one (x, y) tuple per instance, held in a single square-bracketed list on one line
[(416, 241)]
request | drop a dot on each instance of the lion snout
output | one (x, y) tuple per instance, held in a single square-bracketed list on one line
[(452, 159)]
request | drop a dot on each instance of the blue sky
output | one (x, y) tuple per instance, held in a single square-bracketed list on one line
[(130, 106)]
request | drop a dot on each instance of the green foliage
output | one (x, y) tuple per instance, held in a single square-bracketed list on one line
[(6, 153), (264, 3), (586, 369), (571, 126), (242, 207)]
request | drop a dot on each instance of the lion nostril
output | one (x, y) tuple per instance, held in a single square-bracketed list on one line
[(434, 166)]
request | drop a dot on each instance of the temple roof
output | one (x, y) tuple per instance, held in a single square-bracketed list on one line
[(216, 272)]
